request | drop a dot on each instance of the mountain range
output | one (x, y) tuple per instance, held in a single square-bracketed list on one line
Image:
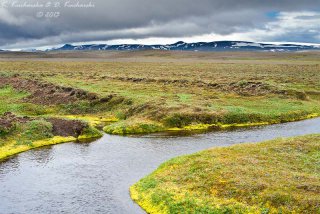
[(199, 46)]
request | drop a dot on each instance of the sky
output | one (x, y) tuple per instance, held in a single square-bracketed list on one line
[(46, 23)]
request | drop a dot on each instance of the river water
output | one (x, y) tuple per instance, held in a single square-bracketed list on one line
[(95, 177)]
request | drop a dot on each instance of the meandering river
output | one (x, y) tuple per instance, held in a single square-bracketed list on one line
[(95, 177)]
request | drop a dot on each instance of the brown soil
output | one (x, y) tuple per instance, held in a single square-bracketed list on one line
[(66, 128), (8, 119), (244, 88), (47, 93), (61, 127)]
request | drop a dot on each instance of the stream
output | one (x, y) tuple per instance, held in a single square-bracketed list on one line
[(95, 177)]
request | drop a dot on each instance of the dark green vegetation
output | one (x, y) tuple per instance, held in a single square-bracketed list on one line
[(278, 176)]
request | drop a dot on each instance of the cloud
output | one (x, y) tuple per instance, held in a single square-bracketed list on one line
[(7, 18), (138, 20), (289, 26)]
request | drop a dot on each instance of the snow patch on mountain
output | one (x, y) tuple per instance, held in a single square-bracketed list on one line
[(199, 46)]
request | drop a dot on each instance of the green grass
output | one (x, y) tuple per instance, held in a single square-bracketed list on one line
[(33, 131), (26, 133), (10, 100), (278, 176), (185, 98)]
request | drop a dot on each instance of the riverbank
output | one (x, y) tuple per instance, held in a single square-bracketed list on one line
[(147, 126), (20, 134), (13, 147), (280, 175)]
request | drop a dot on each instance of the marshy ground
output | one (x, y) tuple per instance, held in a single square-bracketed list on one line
[(150, 91), (54, 97)]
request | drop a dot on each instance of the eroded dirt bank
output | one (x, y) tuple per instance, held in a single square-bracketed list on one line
[(45, 93), (20, 133), (60, 127)]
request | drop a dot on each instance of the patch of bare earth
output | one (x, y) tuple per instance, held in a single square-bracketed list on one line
[(8, 119), (66, 128), (47, 93), (241, 88), (60, 127)]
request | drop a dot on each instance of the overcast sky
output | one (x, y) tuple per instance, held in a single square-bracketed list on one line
[(29, 23)]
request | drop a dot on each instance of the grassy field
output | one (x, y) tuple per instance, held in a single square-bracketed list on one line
[(151, 91), (154, 91), (278, 176)]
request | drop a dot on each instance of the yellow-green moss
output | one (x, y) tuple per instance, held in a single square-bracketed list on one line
[(138, 126), (145, 203), (195, 127), (90, 133), (277, 176), (11, 148), (143, 126), (91, 119)]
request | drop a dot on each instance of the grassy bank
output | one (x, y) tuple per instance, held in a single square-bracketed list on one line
[(11, 148), (278, 176), (24, 126), (24, 135), (14, 144), (143, 126)]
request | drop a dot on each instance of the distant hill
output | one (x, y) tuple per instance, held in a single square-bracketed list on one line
[(199, 46)]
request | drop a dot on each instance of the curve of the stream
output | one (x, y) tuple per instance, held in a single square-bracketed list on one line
[(95, 177)]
